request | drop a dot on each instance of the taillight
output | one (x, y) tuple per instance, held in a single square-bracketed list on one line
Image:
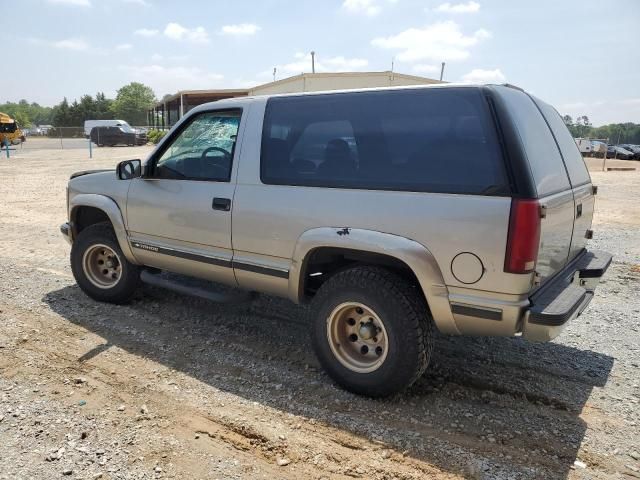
[(524, 236)]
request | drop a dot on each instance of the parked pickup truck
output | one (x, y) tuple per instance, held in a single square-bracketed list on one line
[(392, 211)]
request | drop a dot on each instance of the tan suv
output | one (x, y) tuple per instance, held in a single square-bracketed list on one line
[(392, 211)]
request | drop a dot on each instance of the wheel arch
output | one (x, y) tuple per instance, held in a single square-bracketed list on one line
[(399, 251), (90, 208)]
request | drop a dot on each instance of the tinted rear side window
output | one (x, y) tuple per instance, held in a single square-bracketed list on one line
[(578, 173), (540, 147), (435, 140)]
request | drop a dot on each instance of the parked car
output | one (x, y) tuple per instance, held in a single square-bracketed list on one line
[(391, 212), (90, 124), (635, 149), (616, 151), (111, 136)]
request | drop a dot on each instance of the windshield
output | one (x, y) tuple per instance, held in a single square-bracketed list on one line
[(8, 127), (126, 127)]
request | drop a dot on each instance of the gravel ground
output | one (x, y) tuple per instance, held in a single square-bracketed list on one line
[(175, 387)]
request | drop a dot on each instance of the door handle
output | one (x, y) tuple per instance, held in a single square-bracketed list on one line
[(579, 210), (223, 204)]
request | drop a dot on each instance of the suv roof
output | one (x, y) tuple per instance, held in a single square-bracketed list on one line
[(238, 101)]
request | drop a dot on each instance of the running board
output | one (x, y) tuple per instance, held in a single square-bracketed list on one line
[(194, 287)]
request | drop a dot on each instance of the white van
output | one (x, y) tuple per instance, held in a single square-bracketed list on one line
[(585, 146), (89, 124)]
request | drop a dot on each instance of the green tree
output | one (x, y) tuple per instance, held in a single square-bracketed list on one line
[(132, 102), (61, 114), (22, 118), (27, 114), (103, 105)]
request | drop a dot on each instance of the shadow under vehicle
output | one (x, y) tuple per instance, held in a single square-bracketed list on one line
[(530, 395)]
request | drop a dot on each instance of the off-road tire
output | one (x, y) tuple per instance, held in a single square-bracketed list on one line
[(403, 311), (129, 281)]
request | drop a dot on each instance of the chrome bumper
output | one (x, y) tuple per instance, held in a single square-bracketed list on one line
[(65, 229)]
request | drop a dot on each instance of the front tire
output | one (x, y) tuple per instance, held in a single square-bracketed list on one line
[(371, 331), (100, 268)]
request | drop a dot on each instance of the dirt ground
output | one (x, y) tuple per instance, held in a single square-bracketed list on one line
[(175, 387)]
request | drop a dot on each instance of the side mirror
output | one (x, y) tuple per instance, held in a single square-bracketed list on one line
[(128, 169)]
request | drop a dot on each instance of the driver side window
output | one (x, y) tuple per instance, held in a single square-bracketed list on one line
[(203, 150)]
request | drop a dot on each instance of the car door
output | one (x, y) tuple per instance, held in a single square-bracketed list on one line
[(179, 214)]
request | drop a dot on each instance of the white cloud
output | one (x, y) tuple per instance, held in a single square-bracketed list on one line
[(76, 44), (156, 57), (174, 78), (423, 68), (240, 29), (144, 3), (469, 7), (302, 63), (366, 7), (438, 41), (124, 46), (146, 32), (175, 31), (602, 112), (75, 3), (478, 75), (340, 63)]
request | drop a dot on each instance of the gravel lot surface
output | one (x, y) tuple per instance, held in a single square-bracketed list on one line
[(175, 387)]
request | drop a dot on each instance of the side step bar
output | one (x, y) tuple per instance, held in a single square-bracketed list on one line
[(194, 287)]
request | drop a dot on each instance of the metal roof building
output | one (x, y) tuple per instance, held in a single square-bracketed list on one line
[(168, 111)]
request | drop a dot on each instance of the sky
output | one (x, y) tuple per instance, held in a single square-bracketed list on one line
[(582, 56)]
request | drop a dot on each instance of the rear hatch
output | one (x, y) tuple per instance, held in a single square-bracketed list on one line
[(560, 180), (583, 196)]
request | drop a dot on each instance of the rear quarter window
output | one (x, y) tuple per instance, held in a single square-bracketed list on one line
[(578, 173), (541, 151), (428, 140)]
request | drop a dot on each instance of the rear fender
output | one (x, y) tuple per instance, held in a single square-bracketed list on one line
[(413, 254)]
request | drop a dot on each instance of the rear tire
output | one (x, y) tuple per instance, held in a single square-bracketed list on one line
[(100, 268), (372, 331)]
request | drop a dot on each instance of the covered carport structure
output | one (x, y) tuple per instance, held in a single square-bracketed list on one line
[(170, 109)]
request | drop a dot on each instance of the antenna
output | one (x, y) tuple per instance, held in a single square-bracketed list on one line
[(274, 74), (442, 71), (393, 59), (313, 61)]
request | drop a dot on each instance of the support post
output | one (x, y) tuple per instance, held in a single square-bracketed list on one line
[(90, 148)]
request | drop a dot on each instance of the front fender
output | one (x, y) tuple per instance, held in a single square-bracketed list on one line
[(108, 206), (415, 255)]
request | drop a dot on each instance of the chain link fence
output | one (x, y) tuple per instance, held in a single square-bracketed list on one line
[(73, 138)]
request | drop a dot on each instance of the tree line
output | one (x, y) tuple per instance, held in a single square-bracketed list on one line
[(617, 133), (131, 104)]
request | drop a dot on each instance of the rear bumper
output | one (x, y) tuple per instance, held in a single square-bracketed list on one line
[(565, 296)]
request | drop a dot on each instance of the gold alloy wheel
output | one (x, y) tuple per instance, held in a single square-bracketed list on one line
[(357, 337), (102, 266)]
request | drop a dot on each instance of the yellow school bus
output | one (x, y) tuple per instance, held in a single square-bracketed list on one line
[(10, 131)]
